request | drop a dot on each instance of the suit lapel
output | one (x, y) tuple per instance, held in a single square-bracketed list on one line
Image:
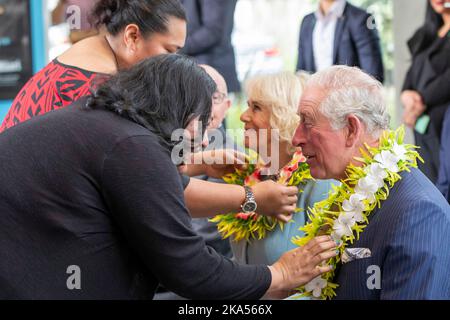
[(337, 37), (310, 45)]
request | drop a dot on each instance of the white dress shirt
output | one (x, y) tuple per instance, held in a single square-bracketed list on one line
[(323, 35)]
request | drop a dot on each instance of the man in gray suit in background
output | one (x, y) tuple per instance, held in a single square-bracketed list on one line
[(210, 25)]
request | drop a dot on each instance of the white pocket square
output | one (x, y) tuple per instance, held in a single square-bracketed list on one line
[(351, 254)]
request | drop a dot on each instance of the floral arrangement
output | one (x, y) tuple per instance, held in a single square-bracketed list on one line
[(252, 225), (344, 214)]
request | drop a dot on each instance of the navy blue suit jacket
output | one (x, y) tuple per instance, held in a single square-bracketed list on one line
[(354, 45), (210, 25), (409, 237), (444, 169)]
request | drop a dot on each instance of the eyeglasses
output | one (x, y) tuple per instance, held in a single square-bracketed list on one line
[(219, 97)]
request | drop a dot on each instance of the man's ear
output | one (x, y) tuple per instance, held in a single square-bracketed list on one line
[(131, 36), (228, 104), (354, 130)]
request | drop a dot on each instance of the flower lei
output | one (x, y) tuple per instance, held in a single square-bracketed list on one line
[(344, 214), (252, 225)]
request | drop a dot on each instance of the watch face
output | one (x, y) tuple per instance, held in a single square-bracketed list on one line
[(249, 206)]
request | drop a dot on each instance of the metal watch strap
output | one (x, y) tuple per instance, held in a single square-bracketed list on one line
[(249, 196)]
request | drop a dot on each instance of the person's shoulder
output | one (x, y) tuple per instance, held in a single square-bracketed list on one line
[(104, 124), (308, 18), (353, 11), (415, 194)]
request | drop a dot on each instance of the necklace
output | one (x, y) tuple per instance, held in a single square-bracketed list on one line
[(252, 225), (344, 214)]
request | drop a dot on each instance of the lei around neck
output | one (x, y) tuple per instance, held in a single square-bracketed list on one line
[(345, 213)]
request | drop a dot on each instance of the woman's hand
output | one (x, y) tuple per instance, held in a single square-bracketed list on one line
[(221, 162), (275, 200), (409, 97), (214, 163), (414, 107), (299, 266)]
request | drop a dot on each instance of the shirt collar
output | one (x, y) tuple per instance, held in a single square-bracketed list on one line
[(336, 10)]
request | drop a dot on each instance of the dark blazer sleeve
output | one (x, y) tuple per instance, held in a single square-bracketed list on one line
[(301, 47), (144, 194), (367, 44), (213, 18), (416, 266), (407, 84), (436, 92)]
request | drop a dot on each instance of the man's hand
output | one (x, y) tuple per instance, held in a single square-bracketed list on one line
[(276, 200)]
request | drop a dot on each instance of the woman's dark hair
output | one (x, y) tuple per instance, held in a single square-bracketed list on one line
[(426, 34), (162, 94), (151, 16)]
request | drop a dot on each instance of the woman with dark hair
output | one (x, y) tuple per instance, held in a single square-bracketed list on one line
[(426, 93), (94, 207), (132, 30)]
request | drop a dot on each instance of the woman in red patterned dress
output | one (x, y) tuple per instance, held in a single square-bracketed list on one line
[(131, 31)]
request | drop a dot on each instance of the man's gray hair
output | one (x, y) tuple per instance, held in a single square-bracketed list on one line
[(349, 90)]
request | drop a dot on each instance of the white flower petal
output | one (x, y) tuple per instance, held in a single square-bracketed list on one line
[(347, 218), (387, 160), (347, 206), (323, 283), (317, 292), (359, 217), (400, 151), (377, 171), (343, 225), (335, 236), (310, 286)]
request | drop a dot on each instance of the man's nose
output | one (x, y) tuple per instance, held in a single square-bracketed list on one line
[(299, 137)]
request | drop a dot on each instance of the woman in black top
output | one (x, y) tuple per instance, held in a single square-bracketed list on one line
[(427, 85), (92, 205)]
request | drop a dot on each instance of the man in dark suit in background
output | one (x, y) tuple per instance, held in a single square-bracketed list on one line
[(210, 25), (339, 33)]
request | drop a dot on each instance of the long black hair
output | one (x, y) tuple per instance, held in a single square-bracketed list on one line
[(162, 94), (426, 34), (151, 16)]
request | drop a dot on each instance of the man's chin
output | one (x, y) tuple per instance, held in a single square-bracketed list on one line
[(317, 173)]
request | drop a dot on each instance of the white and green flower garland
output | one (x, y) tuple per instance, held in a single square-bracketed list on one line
[(344, 214)]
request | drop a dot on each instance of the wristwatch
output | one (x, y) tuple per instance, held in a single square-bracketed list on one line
[(249, 204)]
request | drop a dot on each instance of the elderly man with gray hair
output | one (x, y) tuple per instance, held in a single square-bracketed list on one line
[(403, 251)]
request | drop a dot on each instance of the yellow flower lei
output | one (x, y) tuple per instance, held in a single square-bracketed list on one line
[(255, 226), (325, 215)]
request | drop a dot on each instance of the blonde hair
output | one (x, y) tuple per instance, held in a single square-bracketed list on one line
[(280, 93)]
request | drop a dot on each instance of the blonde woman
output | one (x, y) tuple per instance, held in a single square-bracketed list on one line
[(273, 102)]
